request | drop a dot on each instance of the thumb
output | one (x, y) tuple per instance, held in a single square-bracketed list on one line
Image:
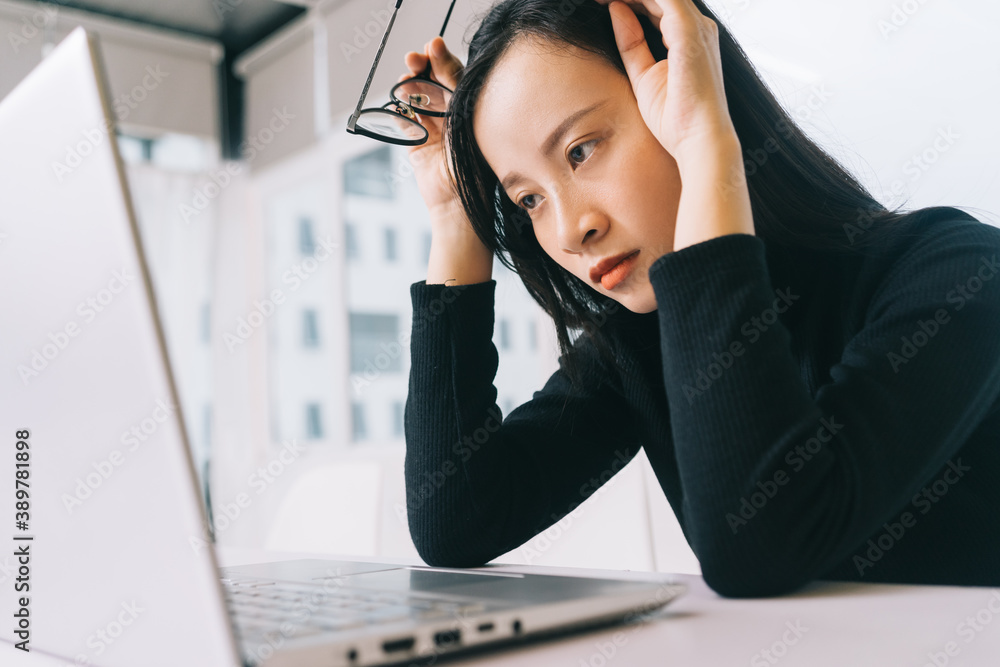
[(631, 41), (446, 66)]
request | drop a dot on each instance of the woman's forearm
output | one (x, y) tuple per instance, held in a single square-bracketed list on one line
[(457, 255)]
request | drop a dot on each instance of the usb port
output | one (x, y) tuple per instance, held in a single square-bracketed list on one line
[(447, 637), (394, 645), (485, 627)]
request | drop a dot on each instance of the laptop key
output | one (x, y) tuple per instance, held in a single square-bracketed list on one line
[(309, 609)]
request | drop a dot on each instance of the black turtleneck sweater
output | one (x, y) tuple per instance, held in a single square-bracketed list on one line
[(807, 417)]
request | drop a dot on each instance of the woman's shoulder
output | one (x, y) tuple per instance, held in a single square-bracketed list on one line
[(931, 253), (941, 228), (936, 235)]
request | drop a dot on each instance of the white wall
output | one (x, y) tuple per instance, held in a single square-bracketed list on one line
[(875, 83)]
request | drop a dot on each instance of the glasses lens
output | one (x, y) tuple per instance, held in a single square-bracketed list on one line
[(391, 124), (422, 94)]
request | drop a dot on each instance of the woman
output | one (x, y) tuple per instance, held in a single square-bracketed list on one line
[(815, 379)]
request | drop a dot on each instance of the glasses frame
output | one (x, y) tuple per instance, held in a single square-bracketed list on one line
[(398, 106)]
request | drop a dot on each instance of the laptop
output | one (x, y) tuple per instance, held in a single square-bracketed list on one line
[(107, 557)]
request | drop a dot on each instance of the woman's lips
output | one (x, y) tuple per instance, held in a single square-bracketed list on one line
[(619, 272)]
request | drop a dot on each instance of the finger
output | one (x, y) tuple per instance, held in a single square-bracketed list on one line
[(415, 61), (677, 19), (639, 8), (631, 41), (445, 65)]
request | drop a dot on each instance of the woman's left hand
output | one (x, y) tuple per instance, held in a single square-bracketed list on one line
[(681, 99)]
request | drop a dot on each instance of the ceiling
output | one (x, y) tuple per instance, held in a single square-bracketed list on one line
[(237, 24)]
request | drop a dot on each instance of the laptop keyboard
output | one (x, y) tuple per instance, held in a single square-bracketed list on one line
[(261, 607)]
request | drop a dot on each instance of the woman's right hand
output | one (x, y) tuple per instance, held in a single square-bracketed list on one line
[(430, 159)]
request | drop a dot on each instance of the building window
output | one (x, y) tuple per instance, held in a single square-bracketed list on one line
[(397, 419), (134, 149), (375, 343), (307, 240), (351, 239), (533, 334), (310, 328), (369, 175), (147, 149), (359, 431), (206, 322), (314, 421), (427, 248), (504, 334), (390, 244)]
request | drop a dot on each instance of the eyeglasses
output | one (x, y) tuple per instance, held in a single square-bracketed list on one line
[(395, 122)]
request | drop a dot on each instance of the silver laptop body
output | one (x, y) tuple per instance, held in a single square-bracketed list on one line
[(108, 560)]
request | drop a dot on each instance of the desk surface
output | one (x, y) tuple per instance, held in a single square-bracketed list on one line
[(825, 624)]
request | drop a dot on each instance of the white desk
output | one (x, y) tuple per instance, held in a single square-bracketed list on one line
[(838, 625)]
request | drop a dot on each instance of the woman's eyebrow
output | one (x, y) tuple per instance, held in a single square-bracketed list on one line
[(553, 139)]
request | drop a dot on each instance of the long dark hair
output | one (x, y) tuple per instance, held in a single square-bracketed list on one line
[(800, 196)]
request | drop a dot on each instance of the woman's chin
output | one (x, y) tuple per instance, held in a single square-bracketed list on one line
[(638, 301)]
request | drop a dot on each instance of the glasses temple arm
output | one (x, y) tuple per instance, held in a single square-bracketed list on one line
[(357, 111), (446, 17), (427, 68)]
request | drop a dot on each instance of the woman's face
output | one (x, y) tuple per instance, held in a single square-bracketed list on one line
[(605, 188)]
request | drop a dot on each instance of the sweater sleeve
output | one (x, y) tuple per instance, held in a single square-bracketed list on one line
[(829, 469), (479, 484)]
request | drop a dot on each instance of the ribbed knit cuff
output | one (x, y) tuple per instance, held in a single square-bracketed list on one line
[(707, 260), (469, 308), (707, 294)]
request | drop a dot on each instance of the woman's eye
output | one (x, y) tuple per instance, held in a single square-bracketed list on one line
[(576, 149), (524, 199)]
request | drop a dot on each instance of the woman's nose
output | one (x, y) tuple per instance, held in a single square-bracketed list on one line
[(580, 227)]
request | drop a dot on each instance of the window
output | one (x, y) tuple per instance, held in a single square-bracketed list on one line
[(397, 419), (147, 149), (310, 328), (351, 239), (307, 240), (504, 335), (300, 356), (135, 149), (375, 342), (369, 175), (359, 432), (314, 421), (390, 244)]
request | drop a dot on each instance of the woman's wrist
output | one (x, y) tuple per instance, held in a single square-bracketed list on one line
[(715, 200), (457, 256), (449, 220), (709, 154)]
